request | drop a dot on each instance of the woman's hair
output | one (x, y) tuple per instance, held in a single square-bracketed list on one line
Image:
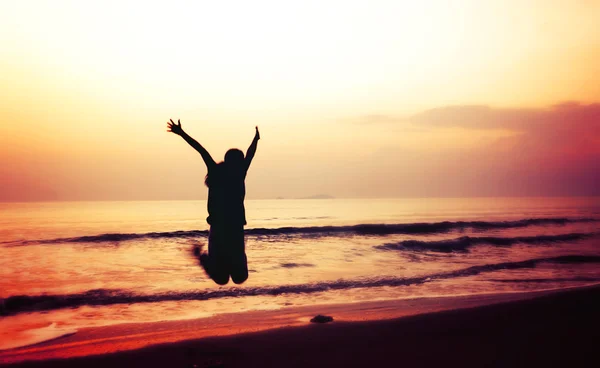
[(234, 159), (216, 175)]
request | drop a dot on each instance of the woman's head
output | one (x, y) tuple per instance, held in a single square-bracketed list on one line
[(226, 170), (234, 158)]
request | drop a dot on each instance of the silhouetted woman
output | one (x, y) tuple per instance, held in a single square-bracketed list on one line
[(226, 214)]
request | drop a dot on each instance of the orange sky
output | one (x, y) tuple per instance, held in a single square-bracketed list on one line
[(365, 98)]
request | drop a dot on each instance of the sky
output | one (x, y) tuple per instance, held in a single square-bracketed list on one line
[(353, 98)]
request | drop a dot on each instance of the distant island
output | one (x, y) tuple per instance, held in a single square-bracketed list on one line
[(319, 196)]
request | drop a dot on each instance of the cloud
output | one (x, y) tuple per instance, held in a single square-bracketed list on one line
[(568, 116), (380, 119), (552, 151), (565, 132)]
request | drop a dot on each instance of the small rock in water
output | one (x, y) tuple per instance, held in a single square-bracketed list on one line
[(322, 319)]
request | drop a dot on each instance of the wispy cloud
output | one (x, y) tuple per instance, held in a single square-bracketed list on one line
[(564, 116), (554, 151)]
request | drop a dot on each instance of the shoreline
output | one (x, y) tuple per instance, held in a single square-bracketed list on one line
[(118, 344)]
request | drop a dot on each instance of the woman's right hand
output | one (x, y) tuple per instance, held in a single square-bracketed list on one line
[(175, 128)]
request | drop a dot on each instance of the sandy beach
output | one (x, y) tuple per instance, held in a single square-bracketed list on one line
[(553, 328)]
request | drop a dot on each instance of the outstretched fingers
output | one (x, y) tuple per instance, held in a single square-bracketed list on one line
[(174, 128)]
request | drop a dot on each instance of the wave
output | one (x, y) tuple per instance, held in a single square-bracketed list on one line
[(296, 265), (322, 231), (463, 244), (102, 297), (37, 335), (568, 279)]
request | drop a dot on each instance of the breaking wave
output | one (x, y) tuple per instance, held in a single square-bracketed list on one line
[(463, 244), (27, 303), (323, 231)]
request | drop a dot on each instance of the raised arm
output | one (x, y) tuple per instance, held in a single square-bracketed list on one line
[(177, 129), (252, 149)]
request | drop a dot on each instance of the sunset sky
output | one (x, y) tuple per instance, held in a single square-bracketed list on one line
[(353, 98)]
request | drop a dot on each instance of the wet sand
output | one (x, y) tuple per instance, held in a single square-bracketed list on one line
[(542, 329)]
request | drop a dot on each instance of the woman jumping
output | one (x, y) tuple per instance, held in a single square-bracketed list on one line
[(226, 214)]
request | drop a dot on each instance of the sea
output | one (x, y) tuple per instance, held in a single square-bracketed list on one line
[(65, 266)]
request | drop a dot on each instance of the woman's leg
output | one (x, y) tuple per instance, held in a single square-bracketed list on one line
[(238, 259), (215, 262)]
